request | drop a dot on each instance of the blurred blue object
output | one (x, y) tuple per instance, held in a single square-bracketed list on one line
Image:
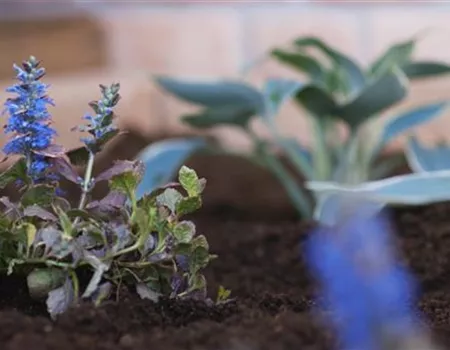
[(369, 295), (424, 159), (163, 159)]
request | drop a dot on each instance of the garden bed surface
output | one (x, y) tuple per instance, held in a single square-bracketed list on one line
[(261, 263), (252, 227)]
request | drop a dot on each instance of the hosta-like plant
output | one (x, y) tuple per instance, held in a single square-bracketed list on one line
[(135, 236), (336, 90), (429, 183)]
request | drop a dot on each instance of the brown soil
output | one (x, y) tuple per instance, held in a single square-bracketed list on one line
[(259, 260)]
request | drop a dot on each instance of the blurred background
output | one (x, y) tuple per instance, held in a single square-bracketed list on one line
[(85, 43)]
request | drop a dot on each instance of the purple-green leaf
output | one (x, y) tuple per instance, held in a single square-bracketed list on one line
[(66, 169), (52, 151), (38, 211), (112, 202), (60, 299), (119, 167), (11, 210)]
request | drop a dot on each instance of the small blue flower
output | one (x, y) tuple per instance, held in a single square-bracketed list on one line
[(368, 293), (29, 119), (101, 124)]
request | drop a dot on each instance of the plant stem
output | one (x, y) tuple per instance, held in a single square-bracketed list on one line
[(76, 285), (87, 179), (297, 159), (294, 191), (320, 154)]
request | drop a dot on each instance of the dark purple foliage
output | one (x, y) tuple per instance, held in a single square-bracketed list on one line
[(66, 169)]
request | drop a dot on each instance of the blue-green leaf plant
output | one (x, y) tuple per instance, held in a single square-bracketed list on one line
[(336, 90), (429, 183), (135, 236)]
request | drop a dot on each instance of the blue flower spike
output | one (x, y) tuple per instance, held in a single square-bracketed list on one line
[(101, 126), (368, 293), (29, 121)]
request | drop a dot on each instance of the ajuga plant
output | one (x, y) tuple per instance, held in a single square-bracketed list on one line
[(130, 237), (366, 295), (334, 90)]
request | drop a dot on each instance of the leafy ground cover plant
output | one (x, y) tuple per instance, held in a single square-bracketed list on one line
[(135, 236), (367, 294), (337, 91)]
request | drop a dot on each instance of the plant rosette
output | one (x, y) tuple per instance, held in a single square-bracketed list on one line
[(134, 236)]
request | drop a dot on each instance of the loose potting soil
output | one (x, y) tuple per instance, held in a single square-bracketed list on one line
[(273, 296)]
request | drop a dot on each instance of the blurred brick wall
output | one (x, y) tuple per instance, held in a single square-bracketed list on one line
[(86, 43)]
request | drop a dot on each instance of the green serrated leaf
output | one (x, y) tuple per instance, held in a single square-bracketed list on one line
[(197, 282), (41, 195), (198, 260), (17, 171), (170, 198), (184, 231), (222, 294), (127, 182), (188, 205), (189, 180), (183, 249), (200, 241)]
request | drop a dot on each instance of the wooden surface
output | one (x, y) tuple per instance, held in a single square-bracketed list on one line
[(66, 45)]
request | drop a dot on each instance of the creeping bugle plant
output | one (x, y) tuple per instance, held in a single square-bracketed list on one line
[(135, 236), (336, 91)]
